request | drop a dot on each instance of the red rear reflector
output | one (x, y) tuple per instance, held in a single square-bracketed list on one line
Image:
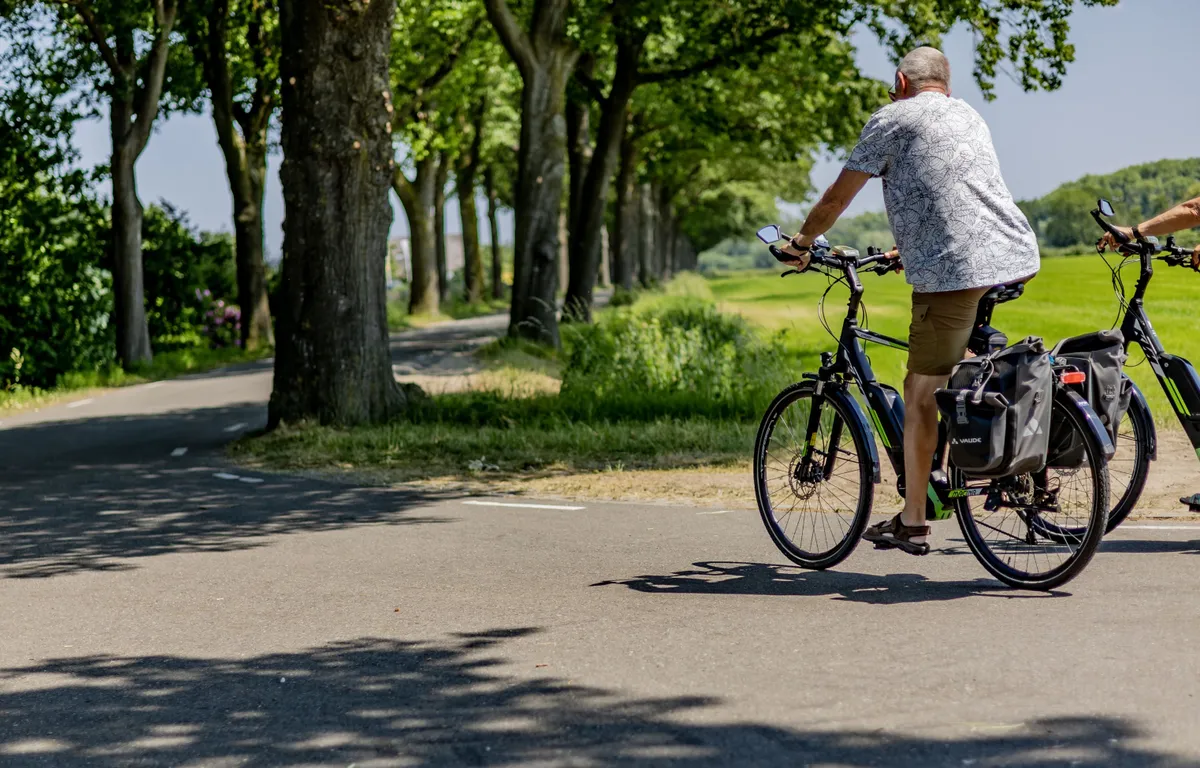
[(1073, 377)]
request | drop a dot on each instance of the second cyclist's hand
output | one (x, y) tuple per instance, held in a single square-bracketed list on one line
[(1108, 241), (894, 255), (1196, 258)]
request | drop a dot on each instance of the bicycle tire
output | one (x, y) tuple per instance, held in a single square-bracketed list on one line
[(1131, 436), (765, 482), (1086, 538)]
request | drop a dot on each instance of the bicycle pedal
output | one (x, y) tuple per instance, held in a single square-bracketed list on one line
[(883, 545)]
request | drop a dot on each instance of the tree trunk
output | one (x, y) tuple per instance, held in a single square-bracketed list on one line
[(545, 57), (579, 148), (439, 227), (626, 241), (417, 198), (468, 215), (604, 278), (564, 257), (248, 247), (489, 182), (332, 361), (245, 157), (133, 331), (593, 196), (540, 162), (647, 259), (665, 238)]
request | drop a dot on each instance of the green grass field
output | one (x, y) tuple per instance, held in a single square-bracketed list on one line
[(1071, 295)]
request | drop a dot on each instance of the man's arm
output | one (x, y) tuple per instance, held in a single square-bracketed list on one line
[(1183, 216), (827, 210)]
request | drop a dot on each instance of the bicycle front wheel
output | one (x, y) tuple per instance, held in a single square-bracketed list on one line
[(1129, 466), (1038, 530), (813, 475)]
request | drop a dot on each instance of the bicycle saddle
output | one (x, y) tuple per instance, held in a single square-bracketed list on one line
[(1005, 292)]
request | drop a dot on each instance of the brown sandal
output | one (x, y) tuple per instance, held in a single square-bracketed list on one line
[(895, 534)]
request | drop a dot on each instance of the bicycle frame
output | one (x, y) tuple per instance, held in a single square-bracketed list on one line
[(1176, 375), (885, 405)]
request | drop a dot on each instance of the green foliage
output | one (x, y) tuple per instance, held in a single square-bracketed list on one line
[(1137, 193), (55, 300), (1030, 35), (674, 357), (179, 266)]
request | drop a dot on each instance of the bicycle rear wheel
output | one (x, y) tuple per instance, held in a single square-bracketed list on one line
[(1038, 530), (813, 475)]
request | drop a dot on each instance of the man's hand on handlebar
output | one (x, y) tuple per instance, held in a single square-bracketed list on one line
[(802, 257), (1196, 258)]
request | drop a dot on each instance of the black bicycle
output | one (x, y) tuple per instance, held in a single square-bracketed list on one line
[(816, 464), (1136, 437)]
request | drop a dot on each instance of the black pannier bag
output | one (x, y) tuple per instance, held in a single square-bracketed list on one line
[(997, 410), (1101, 356)]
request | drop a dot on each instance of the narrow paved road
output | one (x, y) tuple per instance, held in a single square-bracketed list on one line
[(162, 608)]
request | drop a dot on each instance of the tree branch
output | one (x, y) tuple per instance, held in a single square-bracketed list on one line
[(150, 93), (98, 37), (515, 41), (451, 59), (716, 60), (590, 84), (404, 189)]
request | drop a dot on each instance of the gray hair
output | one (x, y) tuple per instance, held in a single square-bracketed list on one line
[(925, 66)]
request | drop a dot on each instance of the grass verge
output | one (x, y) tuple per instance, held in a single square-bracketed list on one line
[(406, 451), (165, 365)]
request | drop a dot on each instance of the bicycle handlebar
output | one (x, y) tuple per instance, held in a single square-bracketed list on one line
[(826, 259)]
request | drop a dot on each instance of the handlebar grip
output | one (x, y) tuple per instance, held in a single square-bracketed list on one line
[(779, 255)]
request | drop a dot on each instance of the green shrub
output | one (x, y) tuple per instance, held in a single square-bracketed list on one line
[(676, 357), (187, 273)]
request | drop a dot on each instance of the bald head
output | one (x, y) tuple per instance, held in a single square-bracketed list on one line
[(924, 67)]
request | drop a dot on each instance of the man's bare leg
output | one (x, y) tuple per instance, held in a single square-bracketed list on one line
[(920, 442)]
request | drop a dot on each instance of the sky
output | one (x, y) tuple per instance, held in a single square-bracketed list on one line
[(1128, 98)]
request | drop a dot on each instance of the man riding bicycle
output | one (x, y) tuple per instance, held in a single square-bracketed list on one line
[(958, 231)]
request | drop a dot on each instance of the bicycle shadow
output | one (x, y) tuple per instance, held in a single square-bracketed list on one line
[(731, 578)]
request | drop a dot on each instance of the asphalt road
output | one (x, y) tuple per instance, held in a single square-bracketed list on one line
[(160, 607)]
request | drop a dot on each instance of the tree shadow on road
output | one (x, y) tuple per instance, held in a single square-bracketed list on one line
[(719, 578), (390, 703), (1150, 547), (78, 496)]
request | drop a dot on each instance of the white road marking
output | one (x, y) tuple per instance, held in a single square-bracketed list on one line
[(714, 512), (251, 479), (236, 427), (1161, 527), (225, 476), (521, 506), (178, 452), (78, 403)]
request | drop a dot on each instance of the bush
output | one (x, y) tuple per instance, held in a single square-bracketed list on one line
[(188, 274), (679, 357)]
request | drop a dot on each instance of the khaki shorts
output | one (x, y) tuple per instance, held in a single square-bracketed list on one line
[(941, 327)]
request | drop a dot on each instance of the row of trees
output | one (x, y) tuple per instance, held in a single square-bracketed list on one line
[(1137, 193), (669, 123)]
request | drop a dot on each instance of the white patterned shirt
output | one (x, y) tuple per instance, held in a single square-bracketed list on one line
[(953, 218)]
